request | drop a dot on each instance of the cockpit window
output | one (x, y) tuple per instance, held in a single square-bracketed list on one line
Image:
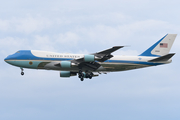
[(18, 52)]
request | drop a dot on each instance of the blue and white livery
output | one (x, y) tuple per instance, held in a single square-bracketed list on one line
[(88, 66)]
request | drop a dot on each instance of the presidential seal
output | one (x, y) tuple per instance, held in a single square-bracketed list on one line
[(30, 62)]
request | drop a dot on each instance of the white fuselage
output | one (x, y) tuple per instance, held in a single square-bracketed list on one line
[(46, 60)]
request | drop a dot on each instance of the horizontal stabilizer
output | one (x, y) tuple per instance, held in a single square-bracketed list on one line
[(162, 58)]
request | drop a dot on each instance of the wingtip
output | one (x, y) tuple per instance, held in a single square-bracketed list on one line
[(127, 46), (118, 46)]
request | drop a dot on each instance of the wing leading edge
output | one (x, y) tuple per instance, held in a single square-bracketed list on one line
[(99, 56), (106, 54)]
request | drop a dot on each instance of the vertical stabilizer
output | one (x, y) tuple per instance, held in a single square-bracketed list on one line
[(162, 47)]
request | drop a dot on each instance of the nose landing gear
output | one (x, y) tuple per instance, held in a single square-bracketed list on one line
[(22, 73)]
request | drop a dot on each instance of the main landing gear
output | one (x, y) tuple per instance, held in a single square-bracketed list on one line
[(22, 73), (83, 75)]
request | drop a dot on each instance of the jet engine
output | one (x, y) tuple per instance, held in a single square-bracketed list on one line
[(89, 58), (67, 74), (65, 64)]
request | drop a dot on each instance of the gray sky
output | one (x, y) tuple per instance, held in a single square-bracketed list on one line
[(77, 26)]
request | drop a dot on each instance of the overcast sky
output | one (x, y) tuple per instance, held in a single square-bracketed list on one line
[(77, 26)]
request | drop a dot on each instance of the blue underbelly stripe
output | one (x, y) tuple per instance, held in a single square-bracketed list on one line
[(134, 62), (108, 61)]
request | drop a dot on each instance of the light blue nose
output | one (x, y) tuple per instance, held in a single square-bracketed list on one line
[(8, 59)]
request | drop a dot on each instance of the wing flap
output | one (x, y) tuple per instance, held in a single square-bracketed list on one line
[(89, 65)]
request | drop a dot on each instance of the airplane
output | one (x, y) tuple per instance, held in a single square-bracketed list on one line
[(91, 65)]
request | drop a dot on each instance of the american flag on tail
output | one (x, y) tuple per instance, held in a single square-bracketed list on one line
[(163, 45)]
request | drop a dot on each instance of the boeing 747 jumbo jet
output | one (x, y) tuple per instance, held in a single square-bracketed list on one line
[(88, 66)]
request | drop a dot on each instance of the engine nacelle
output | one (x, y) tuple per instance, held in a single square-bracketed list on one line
[(89, 58), (67, 74), (65, 64)]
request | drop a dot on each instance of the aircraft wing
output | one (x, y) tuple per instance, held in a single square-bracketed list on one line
[(106, 54), (99, 56)]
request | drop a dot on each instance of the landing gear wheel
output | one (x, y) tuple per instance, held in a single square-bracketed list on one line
[(82, 75), (22, 73), (91, 75), (82, 79), (79, 76)]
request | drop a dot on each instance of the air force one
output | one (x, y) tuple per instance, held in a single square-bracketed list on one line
[(91, 65)]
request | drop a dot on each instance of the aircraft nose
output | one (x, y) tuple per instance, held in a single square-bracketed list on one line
[(6, 59), (9, 58)]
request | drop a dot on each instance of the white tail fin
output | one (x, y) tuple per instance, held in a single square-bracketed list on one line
[(162, 47)]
